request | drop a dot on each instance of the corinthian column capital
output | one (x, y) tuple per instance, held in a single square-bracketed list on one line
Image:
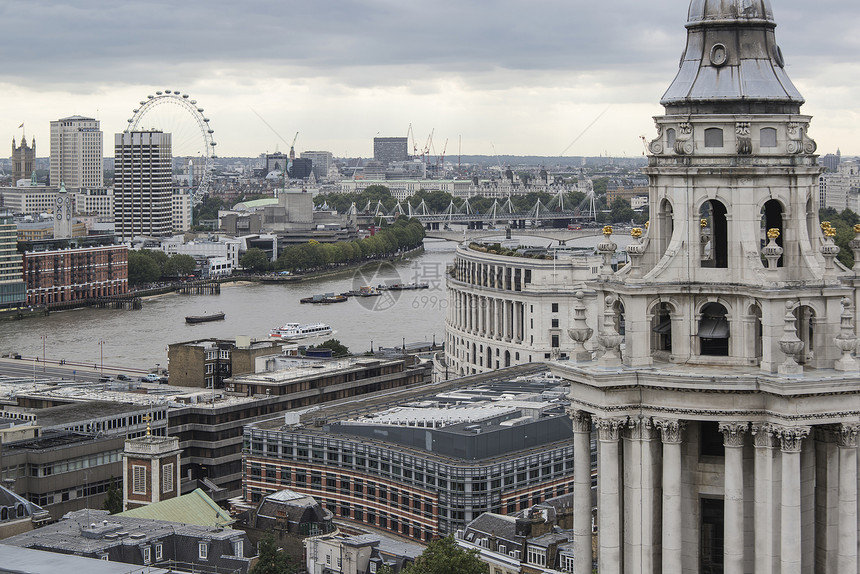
[(609, 429), (581, 420), (733, 433), (671, 429), (846, 436), (791, 438)]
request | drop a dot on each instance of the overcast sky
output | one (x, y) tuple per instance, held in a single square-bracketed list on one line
[(515, 77)]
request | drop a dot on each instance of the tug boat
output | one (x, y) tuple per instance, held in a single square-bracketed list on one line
[(219, 316)]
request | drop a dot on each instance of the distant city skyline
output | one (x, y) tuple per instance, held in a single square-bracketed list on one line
[(507, 78)]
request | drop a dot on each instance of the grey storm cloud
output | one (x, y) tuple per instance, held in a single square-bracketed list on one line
[(94, 41)]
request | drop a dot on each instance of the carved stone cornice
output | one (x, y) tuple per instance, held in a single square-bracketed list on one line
[(791, 438), (763, 435), (733, 433), (581, 420), (672, 430), (609, 429), (846, 436), (640, 429)]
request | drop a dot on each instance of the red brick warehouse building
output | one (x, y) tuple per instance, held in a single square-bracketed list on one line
[(67, 270)]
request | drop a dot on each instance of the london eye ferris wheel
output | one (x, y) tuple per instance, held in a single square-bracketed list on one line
[(176, 113)]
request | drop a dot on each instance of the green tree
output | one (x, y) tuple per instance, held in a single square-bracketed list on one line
[(178, 265), (620, 211), (338, 349), (113, 500), (142, 269), (273, 560), (255, 260), (444, 556)]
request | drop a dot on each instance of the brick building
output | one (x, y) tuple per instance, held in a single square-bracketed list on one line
[(59, 271), (207, 362), (150, 471)]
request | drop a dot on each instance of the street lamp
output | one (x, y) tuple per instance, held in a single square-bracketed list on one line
[(44, 340), (102, 356)]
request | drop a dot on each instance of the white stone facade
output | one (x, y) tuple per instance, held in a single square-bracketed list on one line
[(77, 152), (727, 413), (505, 311)]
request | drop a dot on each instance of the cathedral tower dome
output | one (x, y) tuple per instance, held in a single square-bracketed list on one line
[(732, 63)]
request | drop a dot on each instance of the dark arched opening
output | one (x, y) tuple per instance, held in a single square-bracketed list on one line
[(714, 331), (714, 225), (771, 218)]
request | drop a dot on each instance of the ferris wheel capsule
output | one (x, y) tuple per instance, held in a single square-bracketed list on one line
[(158, 93), (166, 91)]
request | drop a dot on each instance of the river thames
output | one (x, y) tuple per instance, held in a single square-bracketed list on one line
[(139, 339)]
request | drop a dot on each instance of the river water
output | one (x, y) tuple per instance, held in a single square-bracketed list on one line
[(139, 339)]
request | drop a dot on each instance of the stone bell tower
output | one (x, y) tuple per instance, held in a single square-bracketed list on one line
[(727, 408)]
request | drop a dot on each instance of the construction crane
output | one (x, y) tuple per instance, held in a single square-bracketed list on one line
[(426, 151), (414, 145), (293, 148), (440, 161)]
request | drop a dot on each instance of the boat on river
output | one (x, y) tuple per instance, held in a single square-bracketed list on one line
[(205, 318), (326, 298), (297, 332)]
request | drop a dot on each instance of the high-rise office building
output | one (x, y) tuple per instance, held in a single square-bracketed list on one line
[(76, 153), (143, 184), (12, 288), (387, 150), (322, 161), (301, 168), (23, 159)]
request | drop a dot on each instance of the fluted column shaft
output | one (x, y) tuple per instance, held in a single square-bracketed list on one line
[(582, 549), (671, 432)]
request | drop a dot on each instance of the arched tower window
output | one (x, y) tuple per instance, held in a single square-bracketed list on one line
[(771, 218), (507, 358), (670, 139), (661, 329), (714, 237), (714, 331), (767, 137), (713, 137), (665, 226), (489, 357)]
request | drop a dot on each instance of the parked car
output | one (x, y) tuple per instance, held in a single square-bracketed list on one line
[(149, 378), (105, 379), (123, 377)]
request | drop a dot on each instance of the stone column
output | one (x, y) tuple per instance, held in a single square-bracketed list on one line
[(609, 495), (672, 431), (791, 440), (505, 320), (639, 508), (763, 498), (733, 527), (582, 550), (847, 545), (518, 321)]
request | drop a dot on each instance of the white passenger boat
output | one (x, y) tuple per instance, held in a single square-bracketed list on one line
[(296, 332)]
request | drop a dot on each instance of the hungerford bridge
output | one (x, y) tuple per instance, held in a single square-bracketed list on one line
[(552, 214)]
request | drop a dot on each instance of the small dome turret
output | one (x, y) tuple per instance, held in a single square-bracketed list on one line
[(732, 63)]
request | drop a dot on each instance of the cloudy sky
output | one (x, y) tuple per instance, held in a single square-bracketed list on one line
[(514, 77)]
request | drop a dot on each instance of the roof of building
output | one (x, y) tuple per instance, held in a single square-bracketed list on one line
[(81, 411), (16, 560), (256, 203), (96, 530), (11, 500), (192, 508)]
